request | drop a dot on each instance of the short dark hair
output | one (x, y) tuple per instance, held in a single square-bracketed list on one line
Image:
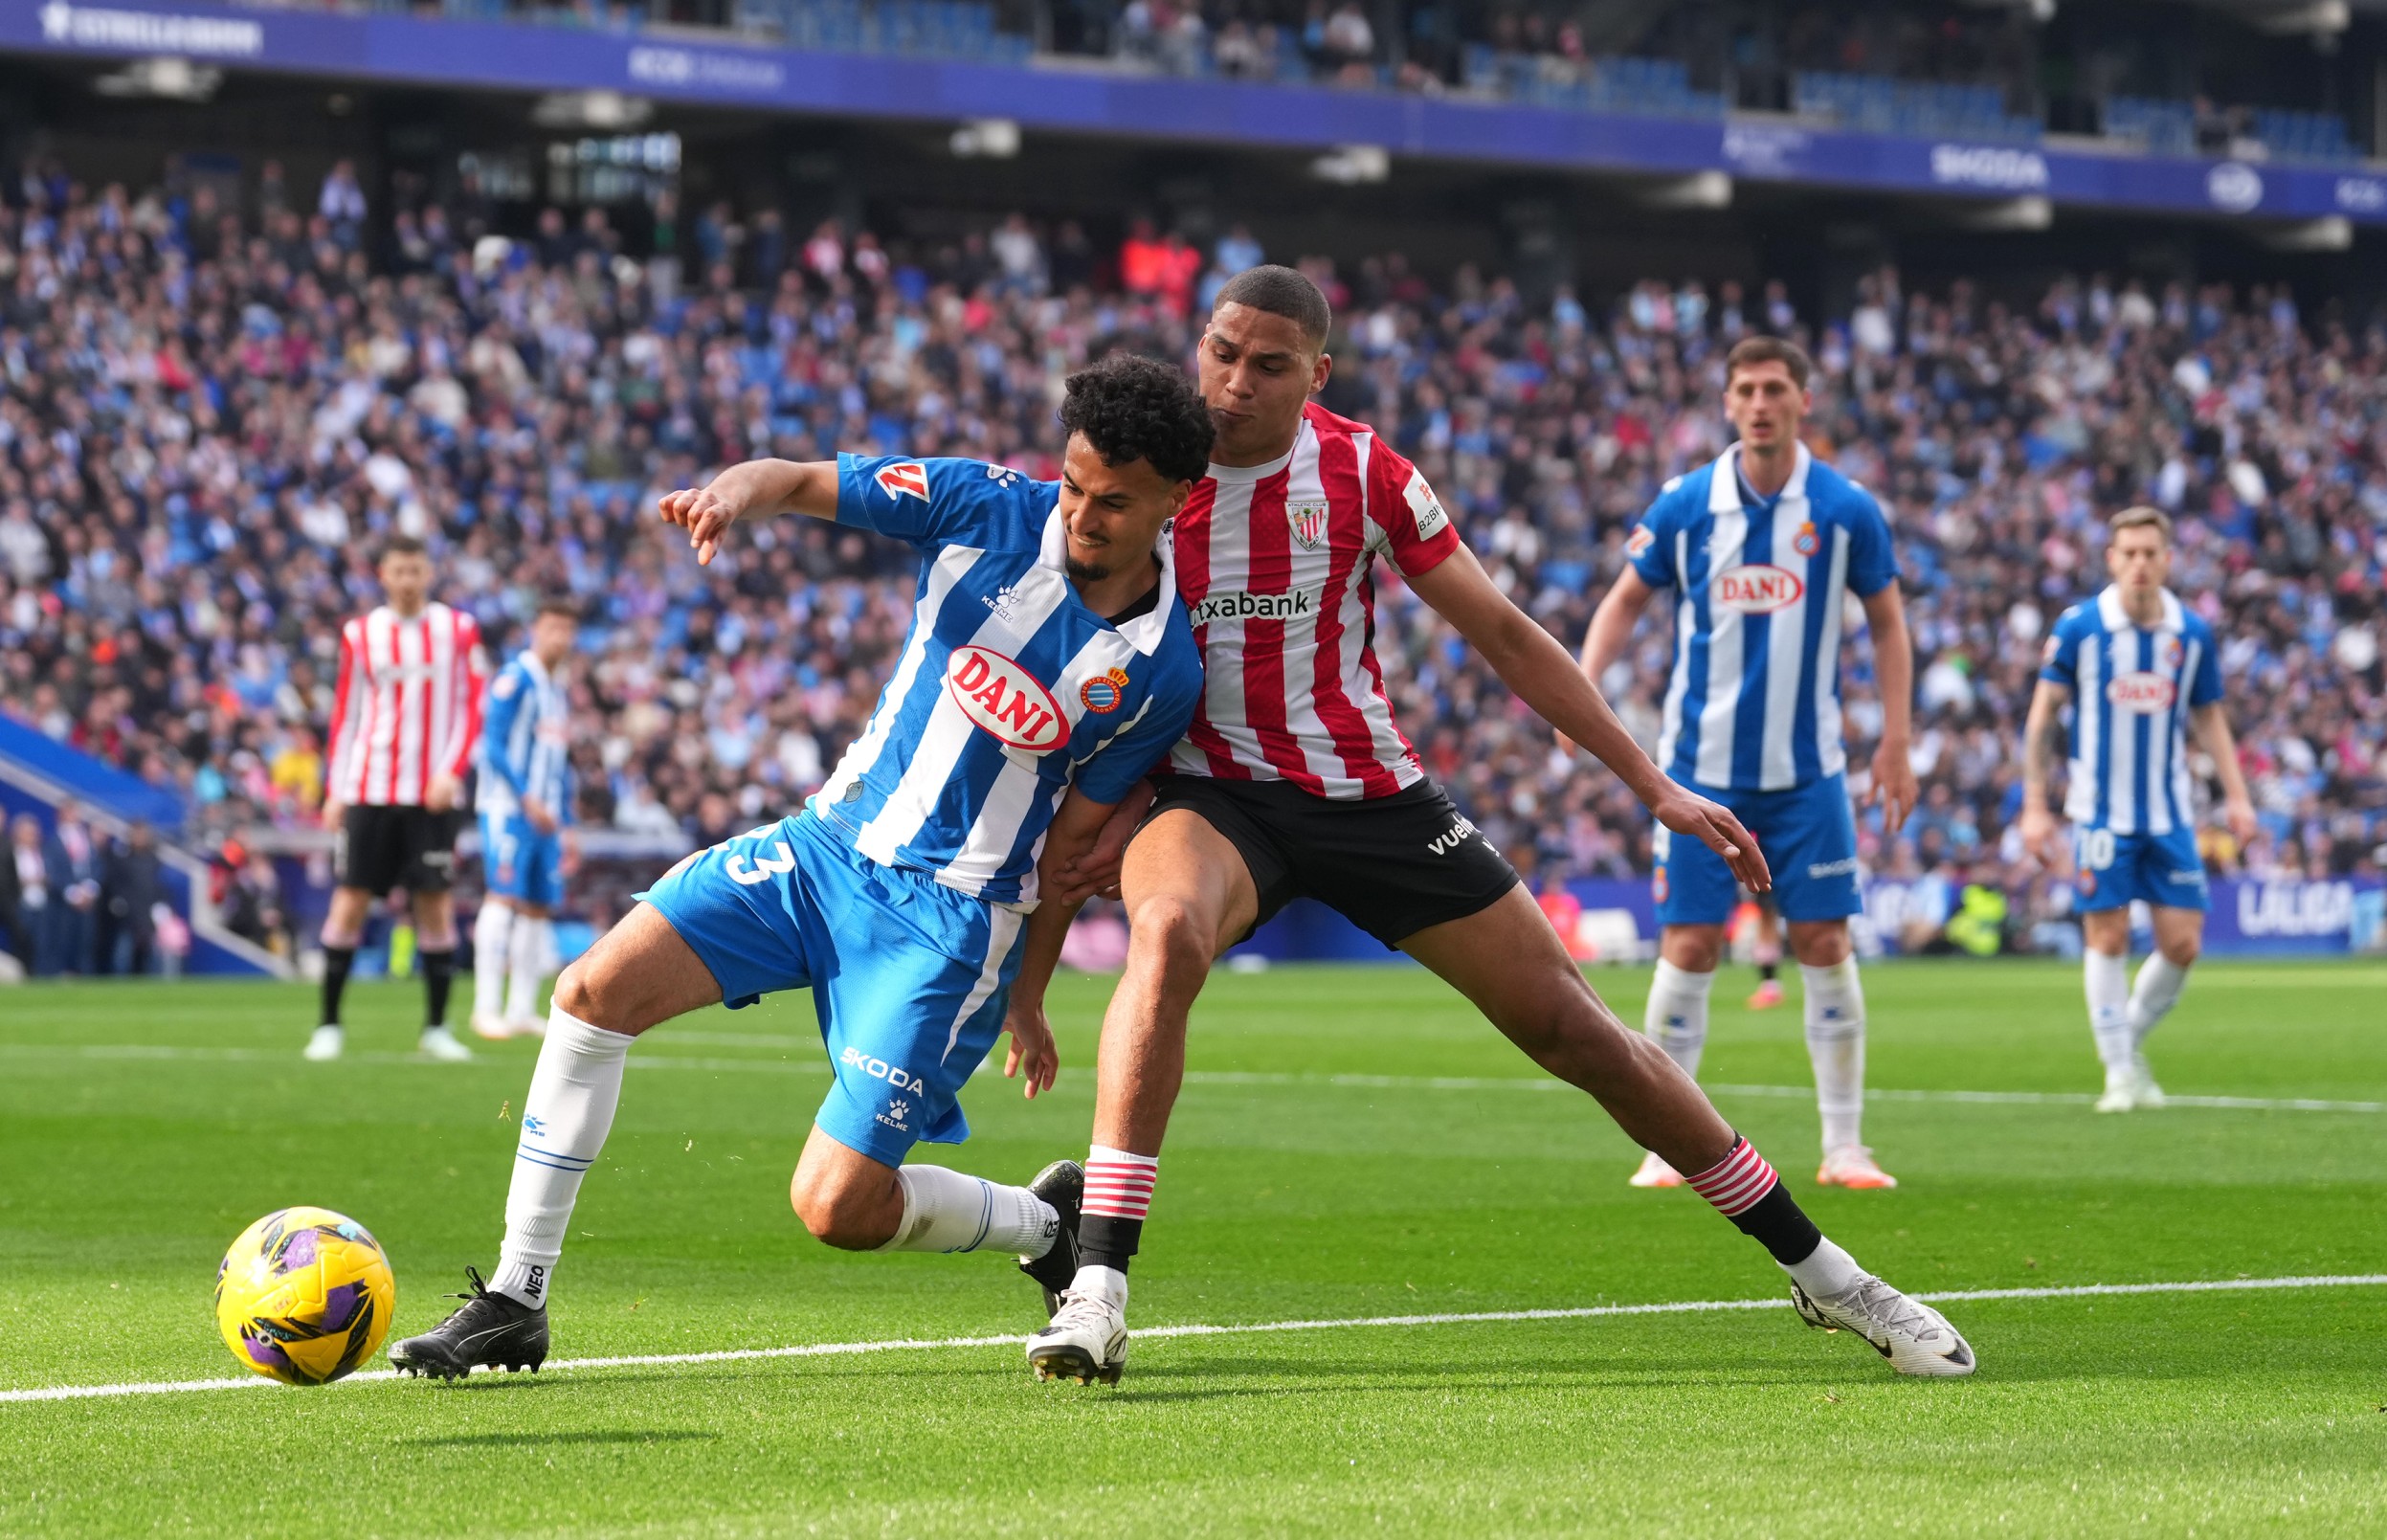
[(400, 545), (1768, 351), (558, 604), (1133, 408), (1281, 291)]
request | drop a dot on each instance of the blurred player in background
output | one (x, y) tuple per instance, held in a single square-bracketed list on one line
[(1759, 548), (404, 725), (1048, 666), (525, 803), (1294, 781), (2141, 670)]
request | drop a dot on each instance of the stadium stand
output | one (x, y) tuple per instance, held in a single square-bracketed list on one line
[(208, 423)]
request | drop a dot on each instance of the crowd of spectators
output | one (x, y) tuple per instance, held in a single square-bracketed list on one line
[(208, 419)]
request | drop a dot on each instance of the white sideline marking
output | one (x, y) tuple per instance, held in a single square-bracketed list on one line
[(1192, 1077), (826, 1350)]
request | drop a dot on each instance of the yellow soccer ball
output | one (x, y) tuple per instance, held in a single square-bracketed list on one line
[(304, 1296)]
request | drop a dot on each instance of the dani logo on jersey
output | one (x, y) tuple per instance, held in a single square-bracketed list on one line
[(2142, 694), (1004, 700), (1755, 588)]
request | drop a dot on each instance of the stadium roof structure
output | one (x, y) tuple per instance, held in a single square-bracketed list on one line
[(716, 70)]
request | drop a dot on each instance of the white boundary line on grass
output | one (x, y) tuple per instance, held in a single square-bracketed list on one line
[(826, 1350), (1197, 1077)]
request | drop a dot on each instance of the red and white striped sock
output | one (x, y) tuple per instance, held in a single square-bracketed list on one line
[(1118, 1195), (1736, 1183), (1746, 1190)]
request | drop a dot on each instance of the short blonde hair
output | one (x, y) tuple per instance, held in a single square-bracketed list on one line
[(2141, 517)]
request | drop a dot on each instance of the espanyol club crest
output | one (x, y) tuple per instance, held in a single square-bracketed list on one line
[(2169, 650), (1309, 520), (1105, 693), (1806, 542), (905, 479), (1658, 884)]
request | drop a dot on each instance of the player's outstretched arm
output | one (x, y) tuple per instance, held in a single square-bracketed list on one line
[(1531, 662), (2213, 731), (2043, 733), (1071, 835), (756, 488)]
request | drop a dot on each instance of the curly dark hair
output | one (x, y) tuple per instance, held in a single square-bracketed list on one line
[(1133, 408)]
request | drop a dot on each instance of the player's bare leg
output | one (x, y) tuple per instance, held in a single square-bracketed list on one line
[(639, 974), (1187, 896), (1508, 962)]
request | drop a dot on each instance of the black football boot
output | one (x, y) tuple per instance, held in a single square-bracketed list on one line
[(491, 1331), (1062, 1185)]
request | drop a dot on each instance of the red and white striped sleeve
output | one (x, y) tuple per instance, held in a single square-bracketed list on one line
[(470, 681), (1416, 529), (351, 708)]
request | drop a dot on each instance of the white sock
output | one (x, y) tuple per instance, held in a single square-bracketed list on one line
[(1677, 1017), (2108, 980), (1108, 1282), (1835, 1047), (951, 1211), (2160, 981), (566, 1116), (528, 967), (492, 938), (1830, 1270)]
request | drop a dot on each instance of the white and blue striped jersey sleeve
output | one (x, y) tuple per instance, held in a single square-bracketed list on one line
[(2204, 686), (934, 503), (1872, 560), (1651, 545)]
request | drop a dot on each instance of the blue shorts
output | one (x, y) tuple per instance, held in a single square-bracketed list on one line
[(520, 863), (909, 978), (2163, 869), (1809, 838)]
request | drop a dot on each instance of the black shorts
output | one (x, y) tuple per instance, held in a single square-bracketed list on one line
[(380, 848), (1392, 865)]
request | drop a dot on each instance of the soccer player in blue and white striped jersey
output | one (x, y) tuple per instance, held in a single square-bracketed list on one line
[(1050, 665), (2140, 670), (525, 805), (1760, 549)]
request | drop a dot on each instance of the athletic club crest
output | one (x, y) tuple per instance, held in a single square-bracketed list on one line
[(1806, 542), (1105, 693), (1309, 520)]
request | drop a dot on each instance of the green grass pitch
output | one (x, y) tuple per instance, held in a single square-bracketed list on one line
[(140, 1127)]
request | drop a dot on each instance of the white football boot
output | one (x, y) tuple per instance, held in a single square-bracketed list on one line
[(2150, 1094), (438, 1042), (492, 1026), (327, 1042), (1915, 1338), (1655, 1172), (527, 1026), (1087, 1340), (2130, 1087), (1853, 1166)]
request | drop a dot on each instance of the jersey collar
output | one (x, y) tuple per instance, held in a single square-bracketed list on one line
[(1244, 475), (2116, 616), (1145, 630), (1724, 487), (531, 665)]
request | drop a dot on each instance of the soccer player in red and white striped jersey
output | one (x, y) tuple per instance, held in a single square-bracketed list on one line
[(1294, 781), (404, 725)]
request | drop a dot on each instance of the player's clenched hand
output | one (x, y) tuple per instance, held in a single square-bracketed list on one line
[(1032, 1053), (706, 513), (1712, 824), (1097, 871)]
